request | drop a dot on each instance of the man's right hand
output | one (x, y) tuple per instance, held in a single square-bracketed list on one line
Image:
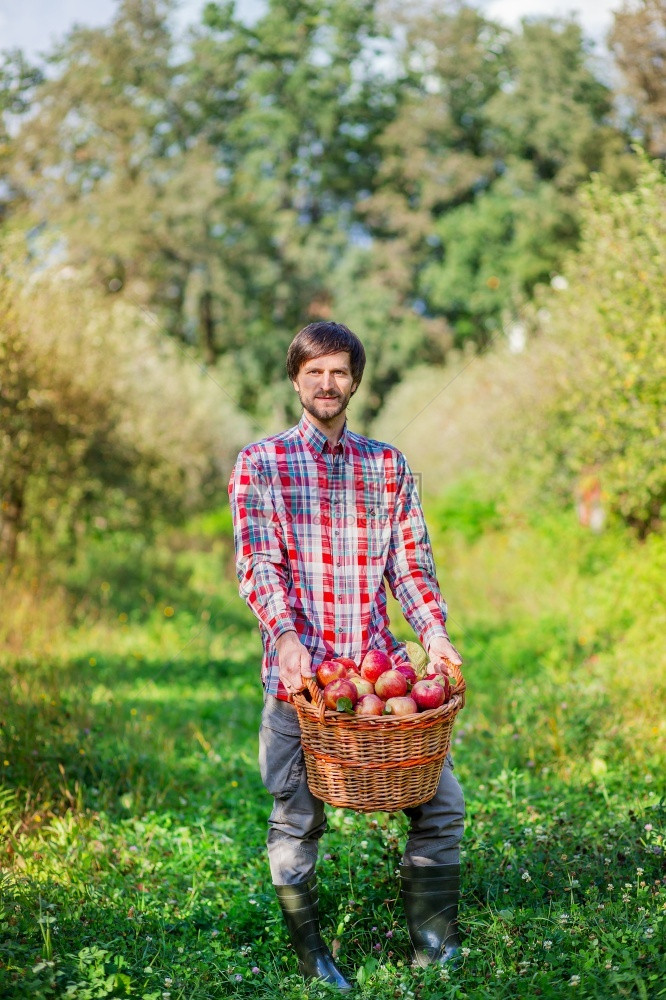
[(293, 662)]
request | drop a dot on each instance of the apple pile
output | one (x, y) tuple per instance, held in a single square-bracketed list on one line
[(378, 687)]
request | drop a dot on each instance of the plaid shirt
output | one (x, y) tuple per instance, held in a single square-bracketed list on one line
[(317, 532)]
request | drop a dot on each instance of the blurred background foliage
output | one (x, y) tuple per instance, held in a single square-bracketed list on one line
[(465, 196), (488, 211), (578, 415)]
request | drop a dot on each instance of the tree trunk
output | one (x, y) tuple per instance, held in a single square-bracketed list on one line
[(11, 524), (207, 326)]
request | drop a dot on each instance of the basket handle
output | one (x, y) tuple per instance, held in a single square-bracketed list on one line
[(316, 696), (461, 686)]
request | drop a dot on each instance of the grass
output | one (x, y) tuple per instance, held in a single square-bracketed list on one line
[(133, 815)]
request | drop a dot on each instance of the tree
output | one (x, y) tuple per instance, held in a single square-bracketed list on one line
[(291, 108), (551, 109), (436, 153), (217, 184), (18, 80), (638, 42), (482, 165), (495, 250), (605, 419), (103, 424), (101, 145)]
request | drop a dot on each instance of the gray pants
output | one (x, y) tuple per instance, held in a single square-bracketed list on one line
[(297, 820)]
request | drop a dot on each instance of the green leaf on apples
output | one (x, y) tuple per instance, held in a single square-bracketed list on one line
[(345, 705)]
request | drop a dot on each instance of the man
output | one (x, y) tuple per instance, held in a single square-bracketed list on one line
[(322, 518)]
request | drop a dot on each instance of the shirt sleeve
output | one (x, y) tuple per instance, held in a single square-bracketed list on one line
[(261, 560), (410, 568)]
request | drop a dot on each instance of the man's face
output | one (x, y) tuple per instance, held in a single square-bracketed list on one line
[(324, 385)]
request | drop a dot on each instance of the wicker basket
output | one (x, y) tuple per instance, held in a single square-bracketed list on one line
[(375, 764)]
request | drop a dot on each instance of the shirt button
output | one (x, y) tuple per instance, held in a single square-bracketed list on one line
[(339, 630), (339, 563), (336, 532)]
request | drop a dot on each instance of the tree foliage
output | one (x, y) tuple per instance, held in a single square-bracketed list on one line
[(581, 409), (608, 419), (482, 165), (638, 42), (235, 180), (415, 173), (104, 424), (218, 184)]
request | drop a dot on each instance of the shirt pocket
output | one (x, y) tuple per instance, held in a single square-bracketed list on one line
[(373, 529)]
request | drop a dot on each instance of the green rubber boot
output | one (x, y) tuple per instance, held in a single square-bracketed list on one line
[(430, 895), (300, 909)]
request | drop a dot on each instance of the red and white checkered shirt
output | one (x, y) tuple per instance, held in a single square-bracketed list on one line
[(317, 532)]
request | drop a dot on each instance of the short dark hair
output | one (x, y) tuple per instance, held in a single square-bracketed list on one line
[(318, 339)]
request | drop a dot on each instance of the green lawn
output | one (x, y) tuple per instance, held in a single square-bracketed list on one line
[(133, 815)]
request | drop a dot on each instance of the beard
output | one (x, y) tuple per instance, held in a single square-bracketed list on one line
[(320, 409)]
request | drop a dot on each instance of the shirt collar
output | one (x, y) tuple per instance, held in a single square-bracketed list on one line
[(318, 442)]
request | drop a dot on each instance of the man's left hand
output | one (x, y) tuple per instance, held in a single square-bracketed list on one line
[(443, 654)]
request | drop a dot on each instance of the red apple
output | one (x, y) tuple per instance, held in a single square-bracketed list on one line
[(339, 690), (391, 684), (369, 704), (401, 706), (444, 683), (347, 662), (428, 694), (362, 686), (408, 672), (374, 663), (330, 670)]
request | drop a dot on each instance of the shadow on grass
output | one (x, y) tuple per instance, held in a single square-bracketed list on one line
[(137, 943), (126, 734)]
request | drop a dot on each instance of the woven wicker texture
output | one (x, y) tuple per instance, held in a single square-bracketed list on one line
[(375, 764)]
